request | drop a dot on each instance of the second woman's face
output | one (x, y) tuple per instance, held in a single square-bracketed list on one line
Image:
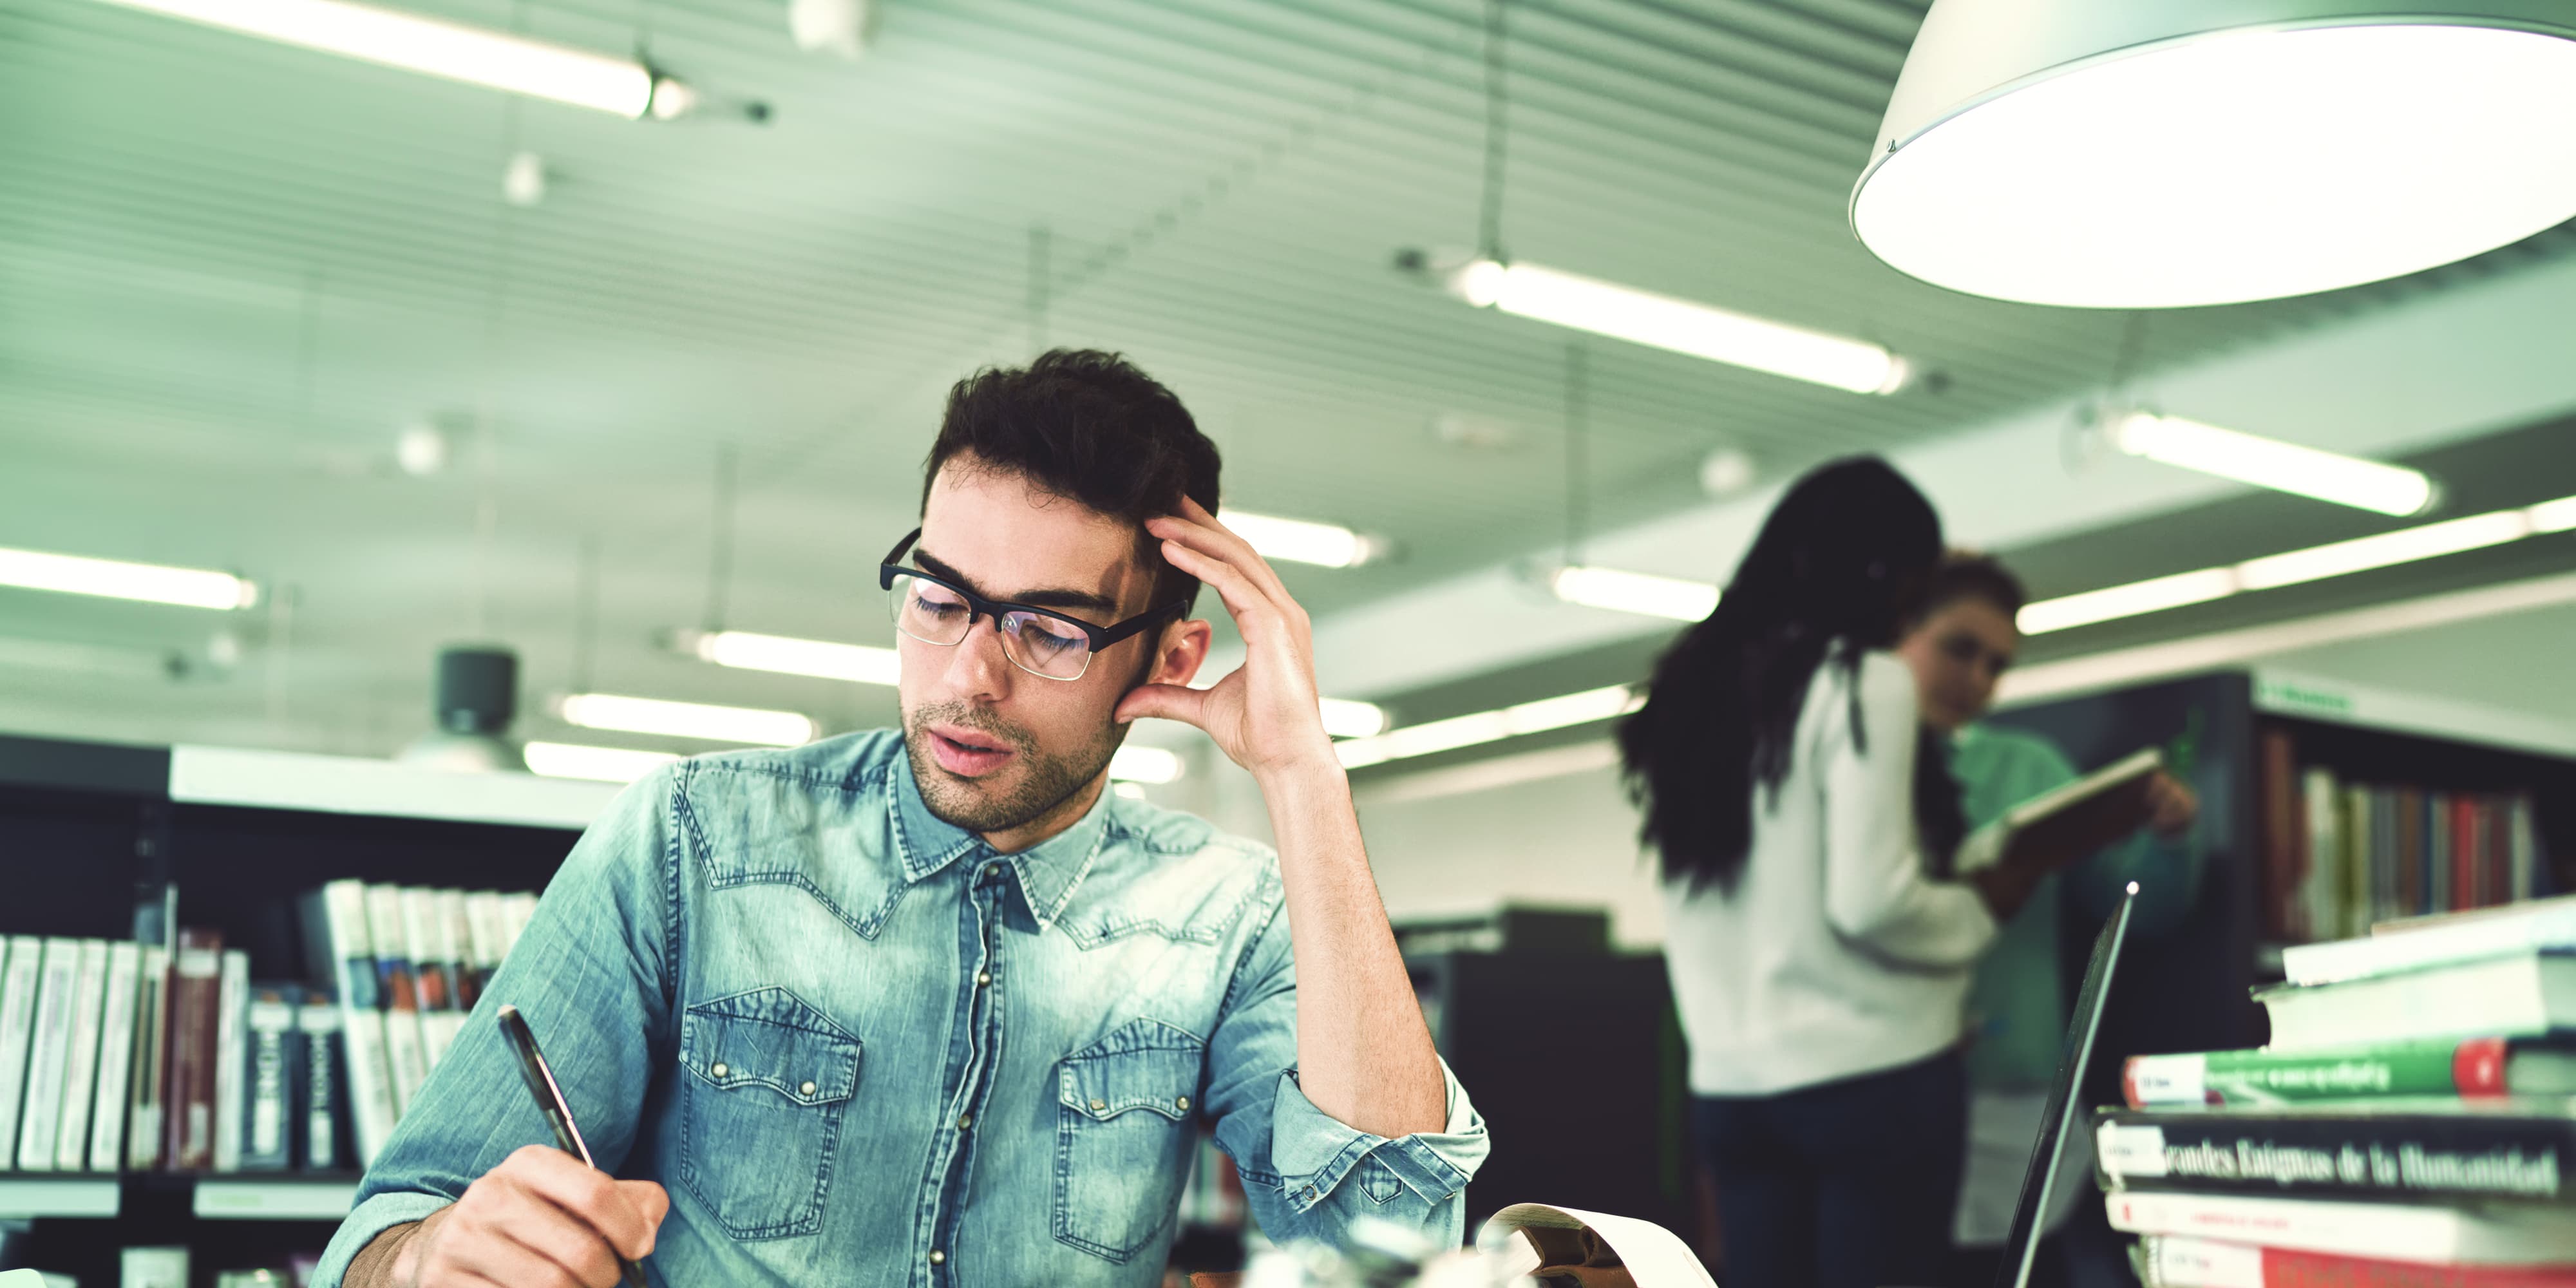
[(1957, 654)]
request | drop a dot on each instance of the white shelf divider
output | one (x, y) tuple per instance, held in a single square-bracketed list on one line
[(2308, 697), (275, 1199), (354, 785), (39, 1196)]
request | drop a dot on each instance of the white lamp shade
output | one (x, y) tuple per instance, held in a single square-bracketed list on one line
[(2136, 154)]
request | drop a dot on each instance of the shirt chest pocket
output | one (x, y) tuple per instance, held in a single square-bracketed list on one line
[(1124, 1136), (764, 1080)]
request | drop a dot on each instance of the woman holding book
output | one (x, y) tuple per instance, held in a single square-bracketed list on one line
[(1820, 924), (1958, 647)]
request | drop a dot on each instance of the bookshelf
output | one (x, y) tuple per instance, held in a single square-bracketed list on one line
[(92, 833), (2187, 989)]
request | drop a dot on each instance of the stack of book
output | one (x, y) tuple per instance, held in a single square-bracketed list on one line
[(2411, 1123), (141, 1057), (2339, 857)]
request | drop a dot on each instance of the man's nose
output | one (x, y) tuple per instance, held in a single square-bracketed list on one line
[(977, 666)]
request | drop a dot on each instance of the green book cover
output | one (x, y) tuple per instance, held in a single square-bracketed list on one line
[(2466, 1067)]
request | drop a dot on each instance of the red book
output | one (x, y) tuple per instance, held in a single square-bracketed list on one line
[(2465, 859), (188, 1086), (2174, 1261), (2285, 846)]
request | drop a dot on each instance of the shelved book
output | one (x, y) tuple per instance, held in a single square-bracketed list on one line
[(2470, 1068), (2384, 1150), (2180, 1261), (142, 1057), (2339, 856)]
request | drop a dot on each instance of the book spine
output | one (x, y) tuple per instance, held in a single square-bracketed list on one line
[(2184, 1262), (456, 951), (2354, 902), (405, 1046), (483, 917), (2266, 1076), (2464, 853), (115, 1058), (49, 1056), (232, 1008), (196, 996), (2325, 854), (321, 1141), (151, 1034), (2396, 1157), (2282, 859), (269, 1024), (21, 977), (366, 1062), (2437, 841), (80, 1071), (518, 908), (424, 930)]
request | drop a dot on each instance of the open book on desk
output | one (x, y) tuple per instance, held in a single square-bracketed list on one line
[(2068, 822)]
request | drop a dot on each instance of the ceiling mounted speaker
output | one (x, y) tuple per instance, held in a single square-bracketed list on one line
[(2166, 153)]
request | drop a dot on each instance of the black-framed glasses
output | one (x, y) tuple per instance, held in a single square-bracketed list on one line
[(1040, 641)]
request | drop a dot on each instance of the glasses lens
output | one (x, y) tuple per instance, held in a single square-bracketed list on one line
[(1050, 646), (928, 611)]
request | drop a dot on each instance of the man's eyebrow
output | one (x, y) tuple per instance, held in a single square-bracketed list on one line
[(1050, 597)]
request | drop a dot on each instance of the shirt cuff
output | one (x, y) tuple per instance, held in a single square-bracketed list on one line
[(369, 1219), (1315, 1152)]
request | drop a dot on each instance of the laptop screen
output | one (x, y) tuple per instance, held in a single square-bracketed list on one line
[(2041, 1178)]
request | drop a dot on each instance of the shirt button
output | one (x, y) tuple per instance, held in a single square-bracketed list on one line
[(718, 1069), (1098, 1105), (1185, 1103), (937, 1257), (992, 869), (965, 1121), (807, 1089), (983, 977)]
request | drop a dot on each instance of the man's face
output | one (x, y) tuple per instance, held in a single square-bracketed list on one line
[(1957, 654), (997, 750)]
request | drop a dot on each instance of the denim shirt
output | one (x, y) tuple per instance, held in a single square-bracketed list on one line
[(858, 1046)]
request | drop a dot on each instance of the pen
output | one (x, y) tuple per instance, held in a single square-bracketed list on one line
[(550, 1102)]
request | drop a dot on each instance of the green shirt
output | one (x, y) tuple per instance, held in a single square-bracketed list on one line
[(2017, 1006)]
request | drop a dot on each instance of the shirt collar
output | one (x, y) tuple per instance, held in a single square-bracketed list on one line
[(1047, 871)]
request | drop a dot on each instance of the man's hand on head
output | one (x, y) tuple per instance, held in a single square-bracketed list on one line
[(1265, 715), (542, 1219)]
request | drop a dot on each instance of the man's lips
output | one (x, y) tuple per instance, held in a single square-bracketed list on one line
[(965, 752)]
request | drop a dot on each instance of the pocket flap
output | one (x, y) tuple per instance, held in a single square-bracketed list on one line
[(771, 1038), (1145, 1064)]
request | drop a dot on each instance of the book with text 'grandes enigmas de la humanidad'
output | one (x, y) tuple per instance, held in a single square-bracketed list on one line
[(2485, 1234), (2178, 1261), (2390, 1151), (2511, 996), (2471, 1068)]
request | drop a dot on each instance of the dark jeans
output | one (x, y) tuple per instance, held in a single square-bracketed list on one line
[(1849, 1184)]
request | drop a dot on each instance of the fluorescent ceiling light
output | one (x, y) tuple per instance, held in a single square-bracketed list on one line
[(2386, 549), (1140, 764), (477, 56), (1489, 726), (686, 719), (600, 764), (1645, 594), (1348, 718), (115, 579), (2193, 152), (1303, 541), (825, 659), (2268, 462), (1679, 326)]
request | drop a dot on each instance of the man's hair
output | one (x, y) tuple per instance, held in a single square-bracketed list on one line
[(1966, 574), (1088, 426)]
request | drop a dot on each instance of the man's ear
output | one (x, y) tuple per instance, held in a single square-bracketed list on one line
[(1180, 648)]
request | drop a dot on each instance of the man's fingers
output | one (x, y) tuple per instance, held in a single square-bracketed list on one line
[(502, 1259), (1204, 531), (1252, 610), (548, 1233), (1162, 702), (586, 1192), (653, 1203)]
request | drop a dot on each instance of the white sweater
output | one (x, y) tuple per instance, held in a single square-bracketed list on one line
[(1835, 955)]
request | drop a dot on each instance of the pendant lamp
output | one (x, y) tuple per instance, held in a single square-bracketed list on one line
[(2166, 153)]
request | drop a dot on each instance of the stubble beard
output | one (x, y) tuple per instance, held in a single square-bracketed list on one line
[(1046, 783)]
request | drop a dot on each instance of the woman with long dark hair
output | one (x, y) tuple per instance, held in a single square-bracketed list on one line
[(1818, 942)]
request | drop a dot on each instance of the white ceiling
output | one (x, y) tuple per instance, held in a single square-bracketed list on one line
[(231, 272)]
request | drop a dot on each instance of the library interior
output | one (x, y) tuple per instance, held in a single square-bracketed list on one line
[(1175, 643)]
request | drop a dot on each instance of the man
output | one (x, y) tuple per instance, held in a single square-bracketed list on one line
[(2017, 1005), (933, 1007)]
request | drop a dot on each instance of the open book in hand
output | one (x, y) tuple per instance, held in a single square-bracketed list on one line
[(2058, 826)]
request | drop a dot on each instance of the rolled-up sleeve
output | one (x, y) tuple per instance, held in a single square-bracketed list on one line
[(591, 974), (1306, 1174)]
